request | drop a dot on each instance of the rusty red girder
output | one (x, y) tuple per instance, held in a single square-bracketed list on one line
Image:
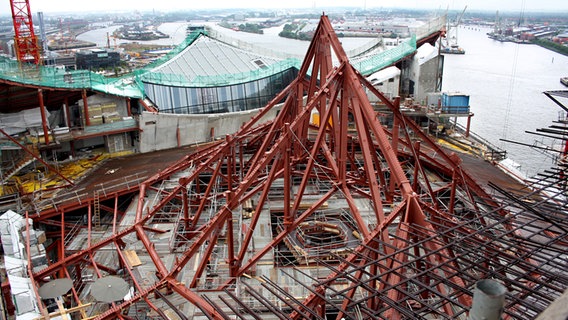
[(325, 154)]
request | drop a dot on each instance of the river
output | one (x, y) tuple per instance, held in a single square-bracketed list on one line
[(505, 82), (176, 30)]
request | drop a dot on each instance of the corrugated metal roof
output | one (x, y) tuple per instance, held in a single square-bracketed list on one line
[(210, 57)]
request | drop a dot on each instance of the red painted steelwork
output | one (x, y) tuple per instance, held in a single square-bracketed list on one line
[(25, 40), (326, 136)]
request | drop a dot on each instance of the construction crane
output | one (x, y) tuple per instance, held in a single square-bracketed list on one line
[(458, 20), (25, 41), (450, 45)]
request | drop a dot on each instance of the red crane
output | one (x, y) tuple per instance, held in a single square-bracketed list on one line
[(25, 40)]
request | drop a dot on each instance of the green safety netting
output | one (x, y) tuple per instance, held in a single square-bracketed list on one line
[(131, 85), (386, 58), (54, 77)]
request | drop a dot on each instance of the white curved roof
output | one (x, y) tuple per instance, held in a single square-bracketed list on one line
[(210, 57)]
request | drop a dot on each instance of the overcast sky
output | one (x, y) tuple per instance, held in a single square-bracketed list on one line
[(170, 5)]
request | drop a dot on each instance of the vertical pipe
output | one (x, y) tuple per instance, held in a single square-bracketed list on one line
[(488, 300), (468, 125), (178, 137), (85, 108), (230, 164), (61, 251), (89, 226), (114, 218), (128, 107), (43, 116), (67, 113)]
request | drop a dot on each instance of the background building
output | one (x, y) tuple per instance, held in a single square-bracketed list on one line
[(97, 58)]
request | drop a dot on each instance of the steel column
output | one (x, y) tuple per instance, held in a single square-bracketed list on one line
[(44, 121)]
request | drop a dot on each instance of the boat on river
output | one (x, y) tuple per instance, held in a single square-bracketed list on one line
[(453, 49)]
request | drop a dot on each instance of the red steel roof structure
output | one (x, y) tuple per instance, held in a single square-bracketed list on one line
[(332, 209)]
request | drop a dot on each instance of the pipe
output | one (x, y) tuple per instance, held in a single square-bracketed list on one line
[(468, 125), (43, 116), (488, 300)]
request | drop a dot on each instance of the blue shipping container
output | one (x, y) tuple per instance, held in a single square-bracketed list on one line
[(455, 100)]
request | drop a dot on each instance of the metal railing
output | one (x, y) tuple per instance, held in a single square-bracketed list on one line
[(431, 26)]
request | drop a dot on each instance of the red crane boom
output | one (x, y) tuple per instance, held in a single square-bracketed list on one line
[(25, 40)]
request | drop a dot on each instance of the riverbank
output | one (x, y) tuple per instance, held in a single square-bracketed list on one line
[(553, 46)]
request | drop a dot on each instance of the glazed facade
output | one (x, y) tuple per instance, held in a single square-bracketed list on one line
[(230, 98)]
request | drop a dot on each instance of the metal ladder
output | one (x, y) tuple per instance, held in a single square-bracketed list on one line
[(96, 210)]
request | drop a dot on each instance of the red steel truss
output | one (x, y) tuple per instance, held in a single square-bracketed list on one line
[(366, 217), (25, 40)]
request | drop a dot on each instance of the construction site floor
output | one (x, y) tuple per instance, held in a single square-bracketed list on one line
[(123, 175), (484, 172), (113, 177)]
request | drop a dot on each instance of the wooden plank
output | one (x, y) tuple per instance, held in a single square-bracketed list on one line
[(62, 313), (132, 258)]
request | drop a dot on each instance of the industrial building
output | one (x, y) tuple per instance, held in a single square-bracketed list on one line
[(319, 205), (94, 59)]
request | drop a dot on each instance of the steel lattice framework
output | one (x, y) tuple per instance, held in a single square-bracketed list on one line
[(393, 224), (25, 40)]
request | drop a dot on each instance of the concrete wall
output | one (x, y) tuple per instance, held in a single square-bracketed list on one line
[(424, 72), (161, 131), (427, 81)]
